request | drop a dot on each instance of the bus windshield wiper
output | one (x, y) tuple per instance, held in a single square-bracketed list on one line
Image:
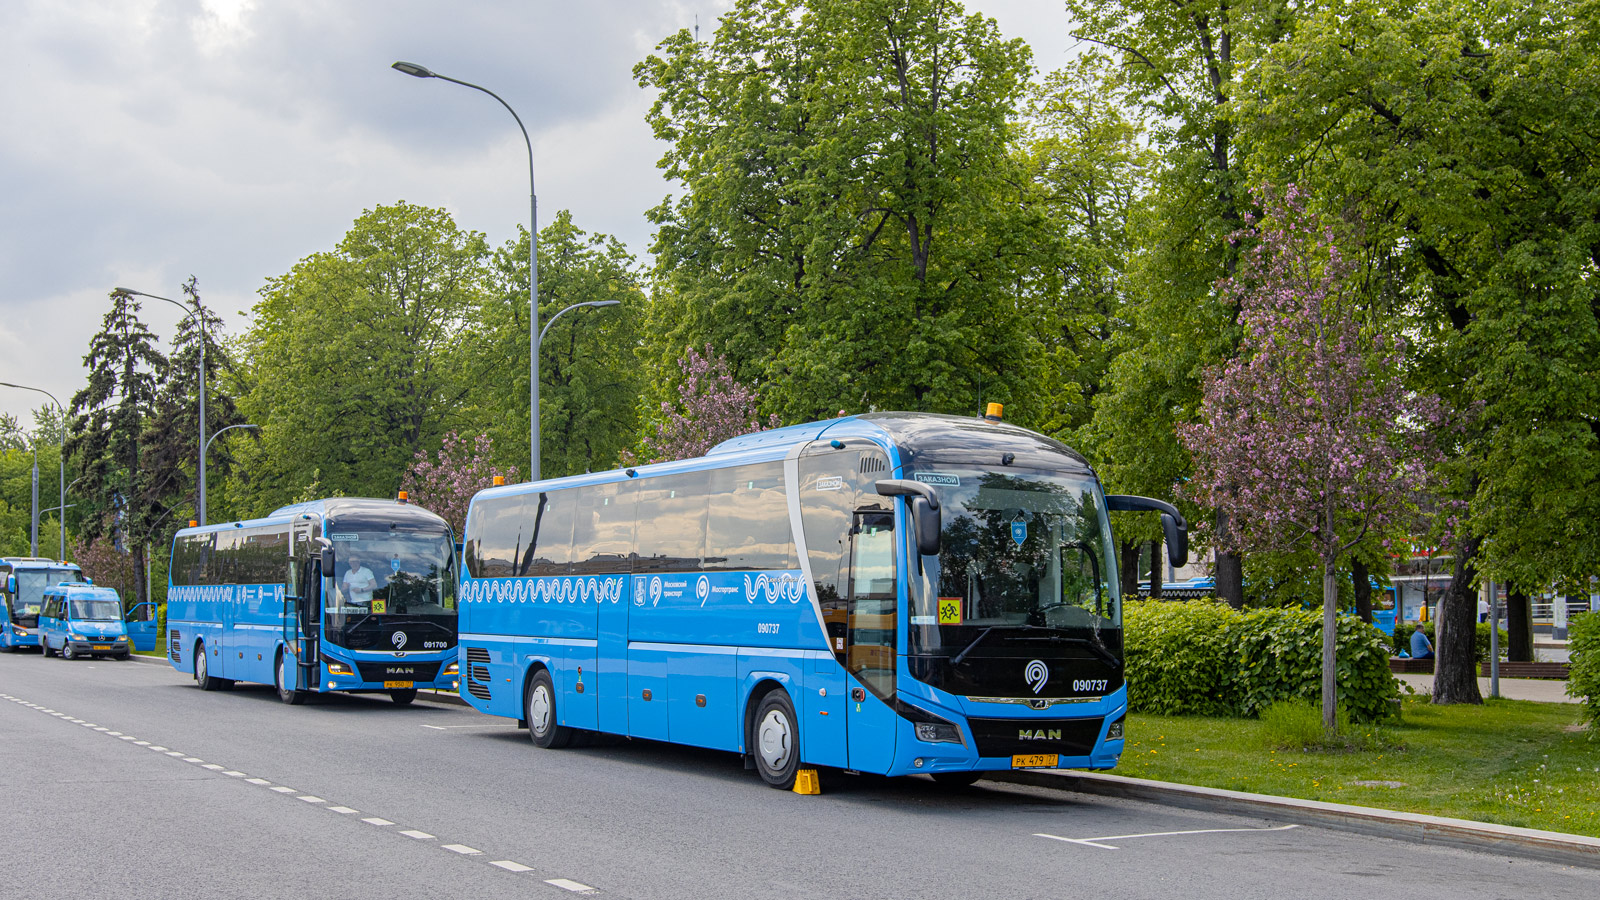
[(975, 642)]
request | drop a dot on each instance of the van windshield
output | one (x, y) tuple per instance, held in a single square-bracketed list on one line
[(96, 610)]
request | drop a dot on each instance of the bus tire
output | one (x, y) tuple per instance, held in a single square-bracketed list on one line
[(280, 677), (67, 652), (202, 671), (775, 740), (956, 779), (44, 646), (403, 696), (539, 705)]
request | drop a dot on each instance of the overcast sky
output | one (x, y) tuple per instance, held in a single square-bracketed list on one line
[(147, 140)]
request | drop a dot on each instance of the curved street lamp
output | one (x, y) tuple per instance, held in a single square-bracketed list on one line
[(193, 314), (61, 461), (540, 342), (419, 71)]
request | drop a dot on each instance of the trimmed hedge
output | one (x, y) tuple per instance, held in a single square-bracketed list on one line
[(1206, 658), (1583, 681)]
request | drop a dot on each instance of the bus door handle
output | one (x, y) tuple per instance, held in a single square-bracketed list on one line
[(858, 694)]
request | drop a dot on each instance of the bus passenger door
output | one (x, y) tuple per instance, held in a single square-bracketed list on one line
[(869, 641), (142, 626)]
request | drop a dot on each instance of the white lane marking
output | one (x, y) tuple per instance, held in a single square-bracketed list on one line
[(232, 774), (567, 884), (141, 743), (482, 725), (213, 767), (419, 835), (158, 749), (110, 732), (377, 821), (258, 781), (1097, 841), (129, 737), (310, 799), (342, 810), (462, 849), (174, 752), (193, 759), (510, 866), (285, 790)]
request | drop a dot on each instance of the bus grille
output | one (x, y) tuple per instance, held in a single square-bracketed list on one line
[(1007, 737), (398, 671), (478, 672)]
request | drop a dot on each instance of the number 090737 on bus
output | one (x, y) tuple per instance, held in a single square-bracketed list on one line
[(894, 593)]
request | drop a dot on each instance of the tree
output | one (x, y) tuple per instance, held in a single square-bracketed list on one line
[(711, 408), (348, 366), (110, 567), (852, 229), (1309, 437), (104, 440), (443, 483), (1462, 136), (12, 437)]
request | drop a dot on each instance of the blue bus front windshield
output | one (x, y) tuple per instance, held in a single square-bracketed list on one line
[(30, 592), (392, 579), (96, 610)]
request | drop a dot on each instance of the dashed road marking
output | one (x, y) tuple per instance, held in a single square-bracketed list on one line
[(232, 774), (567, 884), (374, 820), (261, 781), (419, 835), (462, 849), (310, 799), (285, 790), (510, 866), (342, 810), (1100, 841)]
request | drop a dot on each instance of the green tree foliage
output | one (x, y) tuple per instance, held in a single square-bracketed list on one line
[(589, 376), (12, 437), (1585, 678), (105, 435), (348, 364), (852, 228)]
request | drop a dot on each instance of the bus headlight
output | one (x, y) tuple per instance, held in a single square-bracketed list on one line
[(338, 668), (937, 733), (1114, 733), (451, 669)]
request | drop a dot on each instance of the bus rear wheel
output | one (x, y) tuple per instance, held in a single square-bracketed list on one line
[(540, 708), (281, 673), (202, 672), (775, 738)]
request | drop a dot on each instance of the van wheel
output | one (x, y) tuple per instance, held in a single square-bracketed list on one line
[(540, 709), (67, 652), (202, 672), (281, 678), (775, 738), (44, 646), (403, 697)]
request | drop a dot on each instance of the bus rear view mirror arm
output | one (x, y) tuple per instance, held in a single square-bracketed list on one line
[(924, 510), (1173, 525)]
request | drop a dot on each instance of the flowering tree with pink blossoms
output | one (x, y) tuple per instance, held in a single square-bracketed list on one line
[(711, 407), (445, 482), (1308, 436)]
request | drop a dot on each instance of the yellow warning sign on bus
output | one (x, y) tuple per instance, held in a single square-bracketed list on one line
[(379, 607), (949, 610)]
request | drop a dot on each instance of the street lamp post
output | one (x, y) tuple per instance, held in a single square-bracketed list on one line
[(540, 343), (61, 462), (193, 314), (417, 71), (224, 431), (33, 549)]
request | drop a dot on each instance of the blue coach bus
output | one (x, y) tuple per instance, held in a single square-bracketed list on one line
[(23, 580), (342, 594), (891, 593)]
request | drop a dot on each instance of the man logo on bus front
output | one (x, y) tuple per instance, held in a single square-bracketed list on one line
[(398, 639)]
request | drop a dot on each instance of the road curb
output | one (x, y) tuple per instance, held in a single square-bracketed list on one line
[(1529, 843)]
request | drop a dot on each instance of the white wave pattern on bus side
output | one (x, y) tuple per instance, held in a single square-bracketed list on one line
[(775, 587), (223, 593), (596, 588)]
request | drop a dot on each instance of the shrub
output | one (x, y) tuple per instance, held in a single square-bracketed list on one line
[(1176, 661), (1583, 635), (1204, 658)]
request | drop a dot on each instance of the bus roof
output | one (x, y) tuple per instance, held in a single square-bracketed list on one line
[(84, 591), (330, 507), (35, 562)]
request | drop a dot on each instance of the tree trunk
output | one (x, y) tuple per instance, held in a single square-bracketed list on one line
[(1130, 569), (1361, 581), (1155, 569), (1330, 646), (1229, 569), (1519, 624), (137, 551), (1455, 669)]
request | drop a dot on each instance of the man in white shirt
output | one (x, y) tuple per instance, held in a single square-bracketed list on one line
[(359, 582)]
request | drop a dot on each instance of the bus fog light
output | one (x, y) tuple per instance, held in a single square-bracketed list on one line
[(331, 684), (917, 762), (938, 733)]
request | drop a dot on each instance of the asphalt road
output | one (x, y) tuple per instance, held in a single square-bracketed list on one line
[(120, 779)]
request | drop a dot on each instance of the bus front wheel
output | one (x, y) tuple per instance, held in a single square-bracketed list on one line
[(776, 740), (957, 779), (67, 652), (286, 694), (403, 696), (540, 708)]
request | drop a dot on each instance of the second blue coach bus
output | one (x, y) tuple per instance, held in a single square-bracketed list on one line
[(23, 580), (891, 593), (342, 594)]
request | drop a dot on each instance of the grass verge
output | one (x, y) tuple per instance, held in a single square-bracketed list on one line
[(1511, 762)]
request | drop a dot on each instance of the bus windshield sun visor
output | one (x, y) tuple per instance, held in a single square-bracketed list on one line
[(1173, 524), (924, 510)]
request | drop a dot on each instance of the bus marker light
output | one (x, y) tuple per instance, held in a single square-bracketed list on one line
[(806, 782)]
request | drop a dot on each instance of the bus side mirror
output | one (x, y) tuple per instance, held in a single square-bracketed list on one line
[(1173, 525), (327, 562), (1177, 541), (925, 519), (11, 584)]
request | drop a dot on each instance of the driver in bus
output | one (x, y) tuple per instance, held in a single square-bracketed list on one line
[(358, 582)]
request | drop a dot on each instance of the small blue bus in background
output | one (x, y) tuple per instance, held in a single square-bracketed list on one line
[(342, 594), (892, 593), (78, 620), (23, 581)]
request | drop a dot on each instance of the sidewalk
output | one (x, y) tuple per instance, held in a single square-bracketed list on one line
[(1542, 690)]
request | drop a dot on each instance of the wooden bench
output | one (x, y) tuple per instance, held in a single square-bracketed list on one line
[(1555, 670), (1401, 665)]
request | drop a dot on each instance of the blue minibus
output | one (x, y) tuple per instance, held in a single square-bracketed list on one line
[(23, 580), (892, 593), (343, 594), (77, 620)]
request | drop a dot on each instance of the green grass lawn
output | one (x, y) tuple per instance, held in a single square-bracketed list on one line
[(1512, 762)]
